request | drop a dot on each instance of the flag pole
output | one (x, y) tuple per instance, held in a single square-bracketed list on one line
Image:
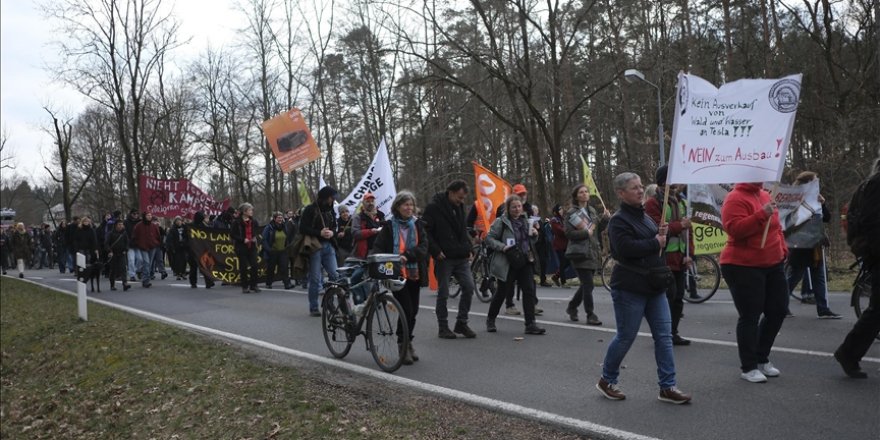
[(665, 207)]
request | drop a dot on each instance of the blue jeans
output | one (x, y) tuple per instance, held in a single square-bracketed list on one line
[(461, 269), (799, 261), (629, 308), (146, 260), (324, 259), (133, 261)]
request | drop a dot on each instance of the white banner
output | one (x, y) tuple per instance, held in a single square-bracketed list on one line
[(737, 133), (379, 180), (797, 203)]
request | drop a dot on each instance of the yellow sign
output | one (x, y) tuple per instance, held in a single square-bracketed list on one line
[(708, 240)]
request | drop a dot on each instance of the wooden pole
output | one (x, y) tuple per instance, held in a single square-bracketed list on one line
[(767, 226), (665, 207)]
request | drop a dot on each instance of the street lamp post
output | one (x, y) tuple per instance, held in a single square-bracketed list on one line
[(632, 75)]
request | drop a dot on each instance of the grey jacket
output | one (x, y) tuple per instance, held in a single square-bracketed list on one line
[(579, 236), (500, 231)]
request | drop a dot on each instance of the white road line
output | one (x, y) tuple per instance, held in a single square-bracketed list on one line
[(582, 426), (648, 335)]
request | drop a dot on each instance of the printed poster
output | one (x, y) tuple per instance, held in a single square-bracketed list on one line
[(290, 140)]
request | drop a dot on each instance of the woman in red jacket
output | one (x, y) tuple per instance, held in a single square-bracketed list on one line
[(755, 276)]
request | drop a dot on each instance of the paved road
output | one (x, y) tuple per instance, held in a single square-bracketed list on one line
[(556, 373)]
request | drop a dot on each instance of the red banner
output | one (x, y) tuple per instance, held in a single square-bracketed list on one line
[(170, 198)]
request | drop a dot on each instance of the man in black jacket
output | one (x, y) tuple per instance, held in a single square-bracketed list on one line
[(450, 246), (864, 216), (319, 220)]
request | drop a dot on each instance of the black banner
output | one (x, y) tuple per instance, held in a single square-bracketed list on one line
[(215, 254)]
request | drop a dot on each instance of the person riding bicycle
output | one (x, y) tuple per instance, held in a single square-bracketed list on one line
[(403, 234)]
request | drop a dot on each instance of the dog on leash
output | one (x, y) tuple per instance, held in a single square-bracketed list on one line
[(92, 275)]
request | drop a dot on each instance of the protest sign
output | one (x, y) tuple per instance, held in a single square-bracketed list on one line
[(290, 140), (379, 180), (215, 254), (704, 202), (800, 214), (737, 133), (176, 197), (491, 191)]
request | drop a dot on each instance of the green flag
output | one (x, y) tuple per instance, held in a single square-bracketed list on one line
[(304, 197)]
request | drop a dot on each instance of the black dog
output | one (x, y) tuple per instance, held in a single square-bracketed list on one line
[(92, 275)]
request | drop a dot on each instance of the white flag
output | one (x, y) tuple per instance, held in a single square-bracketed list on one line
[(378, 180), (737, 133)]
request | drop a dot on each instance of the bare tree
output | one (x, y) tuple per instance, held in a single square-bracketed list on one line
[(110, 52), (6, 158), (62, 133)]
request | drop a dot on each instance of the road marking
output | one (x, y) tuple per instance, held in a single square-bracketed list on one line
[(582, 426)]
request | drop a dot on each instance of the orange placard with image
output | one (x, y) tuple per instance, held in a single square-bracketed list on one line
[(291, 140)]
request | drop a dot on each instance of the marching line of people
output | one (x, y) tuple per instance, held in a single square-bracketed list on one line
[(652, 253)]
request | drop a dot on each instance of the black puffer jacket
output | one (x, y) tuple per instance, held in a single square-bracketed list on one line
[(632, 235), (446, 228)]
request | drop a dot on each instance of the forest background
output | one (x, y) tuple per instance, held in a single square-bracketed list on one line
[(525, 87)]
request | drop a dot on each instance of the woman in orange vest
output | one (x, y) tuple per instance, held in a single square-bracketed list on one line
[(403, 234)]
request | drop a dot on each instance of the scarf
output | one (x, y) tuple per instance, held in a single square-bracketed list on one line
[(521, 233), (399, 226)]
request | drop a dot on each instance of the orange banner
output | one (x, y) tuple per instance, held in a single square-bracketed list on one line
[(491, 193), (291, 140)]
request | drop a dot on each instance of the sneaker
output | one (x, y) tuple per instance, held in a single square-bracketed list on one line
[(674, 395), (754, 376), (678, 340), (533, 329), (828, 314), (539, 311), (490, 325), (255, 289), (245, 290), (572, 314), (610, 390), (592, 319), (164, 275), (21, 275), (808, 300), (768, 369), (851, 368), (512, 310), (412, 352), (314, 313), (555, 279), (445, 333), (463, 329), (125, 287)]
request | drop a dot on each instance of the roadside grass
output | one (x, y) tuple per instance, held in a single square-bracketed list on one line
[(122, 376)]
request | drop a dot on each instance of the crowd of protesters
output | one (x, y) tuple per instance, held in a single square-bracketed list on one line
[(647, 236)]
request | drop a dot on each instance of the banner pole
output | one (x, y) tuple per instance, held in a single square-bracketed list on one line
[(767, 226), (665, 207)]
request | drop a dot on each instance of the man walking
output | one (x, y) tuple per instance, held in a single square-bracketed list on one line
[(319, 221), (450, 246), (146, 239)]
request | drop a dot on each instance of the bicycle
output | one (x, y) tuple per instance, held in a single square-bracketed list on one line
[(861, 292), (701, 282), (486, 285), (386, 328)]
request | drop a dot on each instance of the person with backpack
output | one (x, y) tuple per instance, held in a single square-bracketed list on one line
[(863, 237)]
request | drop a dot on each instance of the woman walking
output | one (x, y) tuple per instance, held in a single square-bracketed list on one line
[(276, 239), (582, 229), (245, 234), (404, 235), (638, 288), (513, 262), (116, 249), (754, 272), (20, 243)]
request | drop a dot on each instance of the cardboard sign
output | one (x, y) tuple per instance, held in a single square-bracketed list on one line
[(290, 140)]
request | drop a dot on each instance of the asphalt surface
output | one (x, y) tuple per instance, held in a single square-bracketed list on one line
[(556, 373)]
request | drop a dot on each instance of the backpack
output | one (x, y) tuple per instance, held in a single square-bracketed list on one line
[(855, 231)]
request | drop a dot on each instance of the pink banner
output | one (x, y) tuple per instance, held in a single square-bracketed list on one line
[(170, 198)]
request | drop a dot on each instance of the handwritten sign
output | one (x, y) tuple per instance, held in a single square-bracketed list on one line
[(737, 133)]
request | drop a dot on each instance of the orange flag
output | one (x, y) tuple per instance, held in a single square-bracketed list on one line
[(491, 192)]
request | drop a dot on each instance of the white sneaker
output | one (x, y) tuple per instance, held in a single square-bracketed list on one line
[(768, 369), (754, 376), (512, 310)]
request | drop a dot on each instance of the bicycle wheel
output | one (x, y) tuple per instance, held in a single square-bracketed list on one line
[(336, 323), (485, 284), (607, 267), (454, 287), (387, 332), (703, 279), (861, 293)]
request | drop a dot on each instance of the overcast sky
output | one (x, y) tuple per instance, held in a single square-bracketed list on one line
[(25, 86)]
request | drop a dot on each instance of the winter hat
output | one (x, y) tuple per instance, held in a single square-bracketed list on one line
[(326, 192), (369, 195), (660, 177)]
